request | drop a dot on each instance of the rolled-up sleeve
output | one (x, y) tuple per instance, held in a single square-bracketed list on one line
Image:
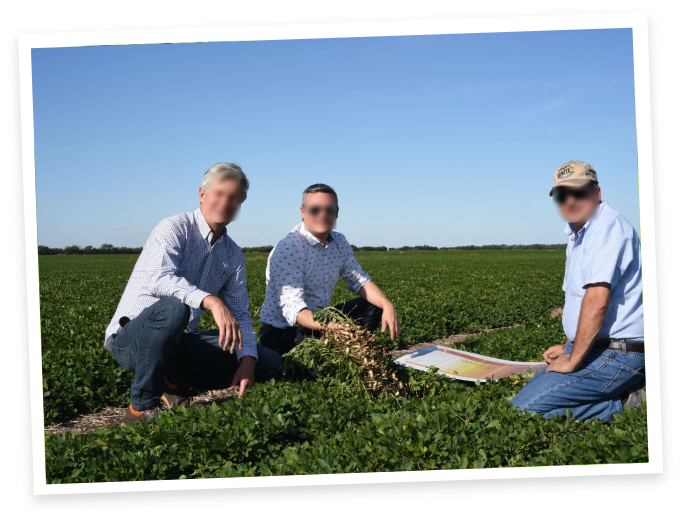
[(611, 250), (286, 284), (236, 298), (164, 252), (351, 272)]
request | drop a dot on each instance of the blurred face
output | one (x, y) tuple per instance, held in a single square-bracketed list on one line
[(319, 212), (222, 200), (577, 205)]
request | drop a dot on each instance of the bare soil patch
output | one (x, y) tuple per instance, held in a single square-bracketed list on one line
[(109, 417)]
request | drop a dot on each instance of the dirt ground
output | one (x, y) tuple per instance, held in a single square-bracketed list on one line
[(109, 417), (556, 312)]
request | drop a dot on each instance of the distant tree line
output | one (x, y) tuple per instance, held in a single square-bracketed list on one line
[(434, 248), (108, 249), (416, 248), (104, 249), (259, 249), (514, 246), (368, 248)]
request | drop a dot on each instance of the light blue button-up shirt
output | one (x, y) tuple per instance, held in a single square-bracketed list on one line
[(606, 250)]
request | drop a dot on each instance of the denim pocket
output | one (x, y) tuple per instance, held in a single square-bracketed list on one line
[(625, 378), (639, 356), (596, 361), (125, 357)]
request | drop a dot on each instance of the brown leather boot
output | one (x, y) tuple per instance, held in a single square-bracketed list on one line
[(177, 394), (133, 415)]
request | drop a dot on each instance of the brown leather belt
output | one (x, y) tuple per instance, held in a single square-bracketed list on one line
[(265, 327), (617, 345)]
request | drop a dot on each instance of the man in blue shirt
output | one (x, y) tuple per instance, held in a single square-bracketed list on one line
[(600, 369)]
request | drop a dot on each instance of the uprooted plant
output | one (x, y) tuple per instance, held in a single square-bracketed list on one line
[(349, 355)]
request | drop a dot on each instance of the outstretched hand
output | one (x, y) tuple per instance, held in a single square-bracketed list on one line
[(245, 375), (389, 319)]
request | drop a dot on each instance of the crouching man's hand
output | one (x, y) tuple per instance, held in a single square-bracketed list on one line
[(389, 320), (564, 364), (245, 376), (553, 352), (230, 334)]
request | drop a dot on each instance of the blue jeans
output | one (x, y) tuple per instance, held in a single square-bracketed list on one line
[(155, 344), (592, 391)]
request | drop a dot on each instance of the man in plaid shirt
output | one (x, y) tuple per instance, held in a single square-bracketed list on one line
[(190, 265)]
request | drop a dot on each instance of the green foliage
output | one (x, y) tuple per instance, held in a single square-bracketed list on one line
[(306, 427), (76, 304), (326, 425), (439, 293), (524, 343), (436, 293), (347, 356)]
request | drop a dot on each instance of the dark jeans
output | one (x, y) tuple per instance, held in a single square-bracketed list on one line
[(154, 345), (283, 340)]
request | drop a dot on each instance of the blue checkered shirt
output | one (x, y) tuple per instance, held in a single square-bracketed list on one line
[(178, 260)]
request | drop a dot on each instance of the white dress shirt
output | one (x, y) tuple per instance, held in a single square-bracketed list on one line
[(302, 273)]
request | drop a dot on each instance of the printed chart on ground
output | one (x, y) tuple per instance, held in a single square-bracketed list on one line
[(464, 365)]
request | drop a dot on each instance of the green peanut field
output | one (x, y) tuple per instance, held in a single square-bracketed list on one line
[(301, 426)]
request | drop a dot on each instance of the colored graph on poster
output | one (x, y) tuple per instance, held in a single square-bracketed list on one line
[(464, 365)]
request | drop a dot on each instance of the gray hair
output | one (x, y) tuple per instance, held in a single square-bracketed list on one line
[(225, 171), (319, 188)]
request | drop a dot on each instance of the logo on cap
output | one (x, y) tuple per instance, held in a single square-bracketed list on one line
[(565, 171)]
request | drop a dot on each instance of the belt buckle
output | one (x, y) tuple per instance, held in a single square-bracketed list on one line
[(623, 346)]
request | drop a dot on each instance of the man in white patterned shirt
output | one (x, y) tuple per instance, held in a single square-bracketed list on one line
[(303, 270), (187, 266)]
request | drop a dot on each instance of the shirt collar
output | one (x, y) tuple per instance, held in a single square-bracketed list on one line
[(310, 237), (204, 228), (602, 205), (570, 228)]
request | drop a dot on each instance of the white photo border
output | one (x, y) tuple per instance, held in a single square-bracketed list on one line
[(635, 21)]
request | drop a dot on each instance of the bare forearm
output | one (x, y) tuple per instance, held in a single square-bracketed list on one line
[(371, 292), (208, 302), (305, 319), (592, 314)]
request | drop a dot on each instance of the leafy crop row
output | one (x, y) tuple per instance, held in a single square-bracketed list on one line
[(309, 427), (325, 425), (436, 293)]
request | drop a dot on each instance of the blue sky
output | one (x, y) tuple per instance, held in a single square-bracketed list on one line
[(443, 140)]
